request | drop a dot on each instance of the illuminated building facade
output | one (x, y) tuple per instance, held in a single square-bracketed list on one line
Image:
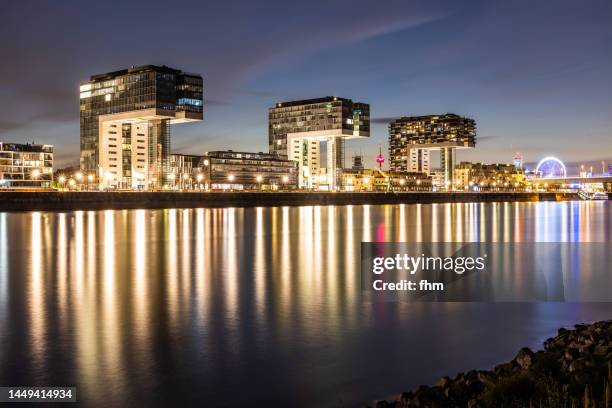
[(296, 130), (125, 119), (379, 180), (479, 176), (25, 165), (229, 170), (412, 138)]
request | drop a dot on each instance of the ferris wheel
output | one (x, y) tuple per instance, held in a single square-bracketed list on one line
[(551, 167)]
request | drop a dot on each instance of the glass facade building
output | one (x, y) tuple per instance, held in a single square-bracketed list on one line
[(296, 130), (25, 165), (125, 119), (229, 170), (412, 138)]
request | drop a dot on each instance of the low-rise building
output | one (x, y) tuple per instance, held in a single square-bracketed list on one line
[(184, 171), (489, 177), (229, 170), (26, 165), (379, 180)]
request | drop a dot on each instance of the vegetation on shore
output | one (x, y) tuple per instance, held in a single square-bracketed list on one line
[(573, 371)]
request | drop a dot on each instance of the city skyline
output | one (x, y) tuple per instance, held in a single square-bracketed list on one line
[(535, 79)]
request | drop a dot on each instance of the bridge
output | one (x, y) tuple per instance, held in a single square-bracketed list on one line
[(605, 180)]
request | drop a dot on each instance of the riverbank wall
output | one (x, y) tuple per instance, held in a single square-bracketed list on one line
[(63, 201)]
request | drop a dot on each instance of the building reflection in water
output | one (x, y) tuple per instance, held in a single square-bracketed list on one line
[(138, 294), (4, 279)]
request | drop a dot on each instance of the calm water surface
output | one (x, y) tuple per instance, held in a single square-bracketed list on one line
[(237, 307)]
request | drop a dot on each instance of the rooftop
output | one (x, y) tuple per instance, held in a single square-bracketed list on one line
[(143, 68)]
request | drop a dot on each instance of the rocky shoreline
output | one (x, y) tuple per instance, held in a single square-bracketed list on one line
[(573, 370)]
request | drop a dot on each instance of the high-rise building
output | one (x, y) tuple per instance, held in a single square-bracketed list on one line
[(26, 165), (412, 138), (125, 123), (357, 163), (296, 130)]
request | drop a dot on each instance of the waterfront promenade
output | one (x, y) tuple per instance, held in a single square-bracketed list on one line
[(55, 200)]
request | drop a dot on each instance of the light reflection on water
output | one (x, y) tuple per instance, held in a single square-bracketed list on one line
[(256, 305)]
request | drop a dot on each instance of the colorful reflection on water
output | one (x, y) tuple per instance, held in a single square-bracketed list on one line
[(256, 305)]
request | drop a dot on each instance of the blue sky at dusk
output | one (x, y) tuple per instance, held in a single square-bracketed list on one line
[(535, 75)]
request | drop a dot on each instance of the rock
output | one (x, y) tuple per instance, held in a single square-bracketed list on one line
[(505, 369), (601, 350), (443, 382), (570, 360), (525, 358), (487, 378), (571, 354), (580, 364)]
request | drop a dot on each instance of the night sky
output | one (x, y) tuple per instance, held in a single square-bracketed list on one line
[(536, 75)]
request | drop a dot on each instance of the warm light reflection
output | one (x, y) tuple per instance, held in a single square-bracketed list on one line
[(260, 266), (121, 284), (112, 344), (230, 276), (4, 273), (139, 278), (62, 269), (37, 315), (171, 269)]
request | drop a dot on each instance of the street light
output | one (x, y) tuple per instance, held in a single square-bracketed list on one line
[(35, 173), (230, 177), (206, 162), (62, 179), (78, 175)]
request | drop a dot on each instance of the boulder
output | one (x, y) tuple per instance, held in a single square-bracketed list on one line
[(525, 358)]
